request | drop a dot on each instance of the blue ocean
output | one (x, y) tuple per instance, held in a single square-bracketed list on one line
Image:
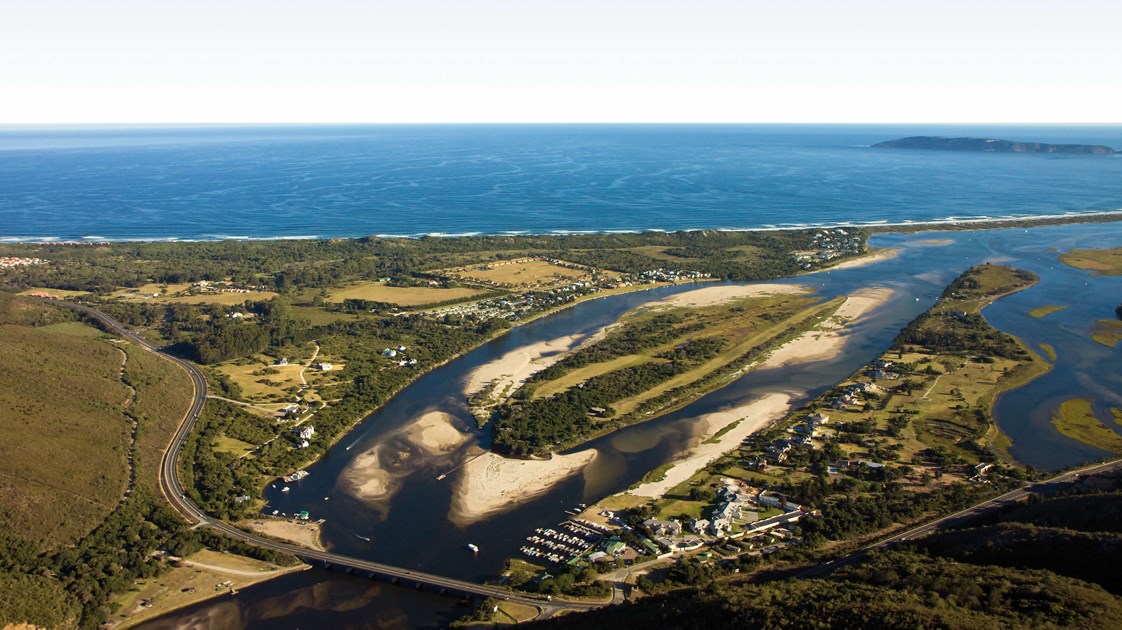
[(226, 182)]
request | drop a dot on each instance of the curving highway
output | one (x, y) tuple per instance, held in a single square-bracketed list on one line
[(173, 490)]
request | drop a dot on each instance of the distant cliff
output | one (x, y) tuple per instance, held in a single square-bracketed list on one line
[(990, 145)]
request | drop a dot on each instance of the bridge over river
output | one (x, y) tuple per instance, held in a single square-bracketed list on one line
[(173, 490)]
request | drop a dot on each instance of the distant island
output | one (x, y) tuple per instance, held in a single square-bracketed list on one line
[(990, 145)]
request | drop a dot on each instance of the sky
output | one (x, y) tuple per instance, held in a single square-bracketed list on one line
[(706, 61)]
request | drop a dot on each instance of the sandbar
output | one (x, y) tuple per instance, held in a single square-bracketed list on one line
[(711, 296), (304, 533), (366, 478), (435, 432), (489, 484), (752, 417)]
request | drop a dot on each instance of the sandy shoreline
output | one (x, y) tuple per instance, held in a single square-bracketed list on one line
[(489, 484), (304, 533), (753, 416), (510, 371), (828, 338), (873, 257)]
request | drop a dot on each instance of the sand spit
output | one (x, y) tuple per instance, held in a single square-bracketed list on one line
[(828, 338), (367, 478), (752, 417), (304, 533), (489, 484), (710, 296), (871, 258)]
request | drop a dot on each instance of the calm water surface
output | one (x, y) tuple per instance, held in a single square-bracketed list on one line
[(413, 530), (215, 182)]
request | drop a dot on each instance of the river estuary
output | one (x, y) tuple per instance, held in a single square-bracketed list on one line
[(412, 529)]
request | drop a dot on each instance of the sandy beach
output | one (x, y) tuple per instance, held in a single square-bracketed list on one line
[(304, 533), (710, 296), (366, 478), (752, 416), (489, 484), (828, 338)]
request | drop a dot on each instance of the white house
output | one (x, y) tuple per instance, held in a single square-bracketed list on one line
[(699, 525), (306, 432), (326, 367)]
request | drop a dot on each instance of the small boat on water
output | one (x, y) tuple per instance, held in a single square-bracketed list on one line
[(366, 538), (473, 548), (285, 489)]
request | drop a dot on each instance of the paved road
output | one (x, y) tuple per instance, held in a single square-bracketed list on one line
[(1008, 498), (176, 495)]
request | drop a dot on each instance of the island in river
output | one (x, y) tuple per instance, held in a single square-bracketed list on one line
[(991, 145)]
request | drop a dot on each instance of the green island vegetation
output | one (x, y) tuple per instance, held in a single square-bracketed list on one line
[(652, 361), (1076, 419), (1045, 311), (907, 438), (1103, 262)]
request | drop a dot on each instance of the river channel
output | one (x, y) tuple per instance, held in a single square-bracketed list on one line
[(412, 529)]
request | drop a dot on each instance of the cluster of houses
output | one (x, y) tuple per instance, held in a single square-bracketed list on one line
[(11, 262), (828, 245), (224, 286), (394, 353), (882, 371), (670, 275)]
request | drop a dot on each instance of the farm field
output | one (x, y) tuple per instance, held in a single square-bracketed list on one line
[(519, 273), (401, 296)]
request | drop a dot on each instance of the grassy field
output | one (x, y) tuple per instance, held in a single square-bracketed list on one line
[(582, 374), (521, 273), (1075, 419), (402, 296), (1104, 262), (263, 382), (63, 459), (202, 576), (1045, 311), (61, 294), (1108, 332)]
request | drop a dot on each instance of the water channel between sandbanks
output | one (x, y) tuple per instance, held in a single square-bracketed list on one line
[(412, 528)]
